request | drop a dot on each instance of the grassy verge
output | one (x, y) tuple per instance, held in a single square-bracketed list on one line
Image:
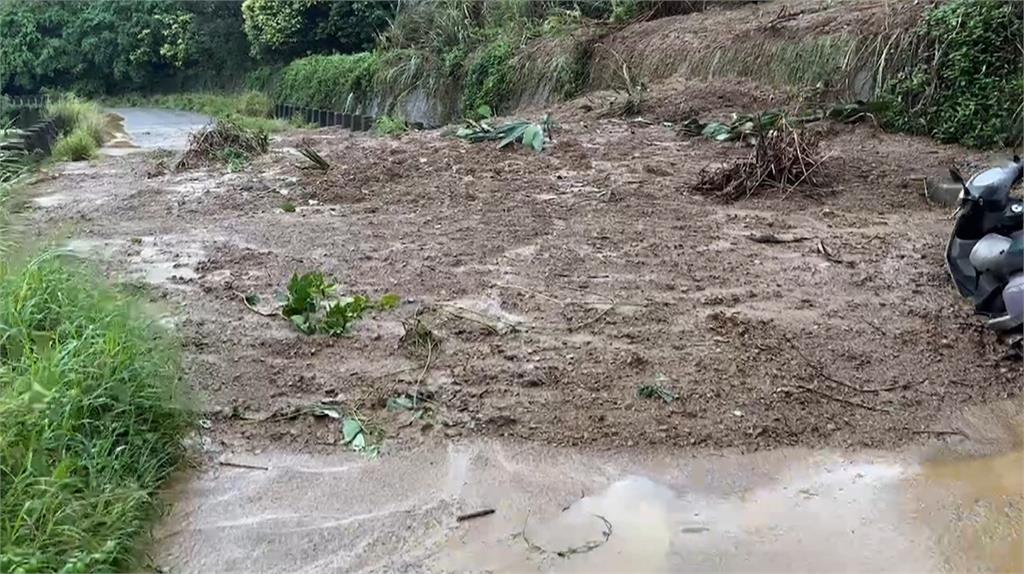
[(251, 110), (82, 125), (91, 420), (91, 414)]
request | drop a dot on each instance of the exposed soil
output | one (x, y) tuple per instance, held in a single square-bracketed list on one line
[(557, 285)]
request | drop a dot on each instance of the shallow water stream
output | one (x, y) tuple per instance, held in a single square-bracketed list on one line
[(927, 509)]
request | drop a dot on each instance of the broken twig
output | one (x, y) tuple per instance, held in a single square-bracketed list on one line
[(773, 238), (476, 514), (243, 465)]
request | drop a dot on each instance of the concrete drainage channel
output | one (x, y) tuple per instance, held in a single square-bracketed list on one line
[(330, 118), (325, 118)]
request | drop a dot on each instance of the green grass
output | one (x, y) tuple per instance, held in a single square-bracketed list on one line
[(251, 110), (83, 128), (391, 126), (91, 420), (72, 112), (76, 146)]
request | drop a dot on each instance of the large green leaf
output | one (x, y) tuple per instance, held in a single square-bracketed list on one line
[(513, 134), (533, 137), (350, 429)]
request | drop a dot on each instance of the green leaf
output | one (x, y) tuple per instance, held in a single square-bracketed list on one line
[(359, 442), (533, 137), (350, 429), (301, 323), (514, 133), (388, 301), (484, 111)]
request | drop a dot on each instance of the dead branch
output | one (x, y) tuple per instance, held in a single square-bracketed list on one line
[(592, 320), (841, 399), (476, 514)]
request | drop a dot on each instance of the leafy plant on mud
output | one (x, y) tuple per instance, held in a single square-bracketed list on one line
[(355, 433), (313, 307), (530, 134), (234, 159), (391, 126)]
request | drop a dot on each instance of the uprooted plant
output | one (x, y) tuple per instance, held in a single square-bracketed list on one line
[(631, 92), (223, 141), (530, 134), (314, 157), (784, 160), (313, 305), (748, 127)]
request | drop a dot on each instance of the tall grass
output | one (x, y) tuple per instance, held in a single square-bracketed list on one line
[(72, 112), (78, 145), (91, 420), (83, 127)]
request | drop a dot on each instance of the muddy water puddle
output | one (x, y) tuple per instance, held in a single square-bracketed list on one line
[(561, 510)]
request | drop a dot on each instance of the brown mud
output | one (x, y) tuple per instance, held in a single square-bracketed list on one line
[(557, 284)]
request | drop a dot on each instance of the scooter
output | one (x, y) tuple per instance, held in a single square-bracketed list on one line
[(985, 253)]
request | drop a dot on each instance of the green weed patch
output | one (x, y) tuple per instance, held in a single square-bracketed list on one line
[(91, 420)]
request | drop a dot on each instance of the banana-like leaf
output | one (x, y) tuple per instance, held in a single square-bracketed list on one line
[(513, 135), (533, 137)]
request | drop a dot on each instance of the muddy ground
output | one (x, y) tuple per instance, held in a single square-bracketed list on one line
[(557, 284)]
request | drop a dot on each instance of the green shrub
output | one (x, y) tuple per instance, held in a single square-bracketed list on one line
[(337, 82), (967, 87), (91, 421), (263, 79), (391, 126), (72, 112), (487, 78), (255, 104), (76, 146)]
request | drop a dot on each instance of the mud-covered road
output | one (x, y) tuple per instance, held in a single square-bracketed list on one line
[(556, 285)]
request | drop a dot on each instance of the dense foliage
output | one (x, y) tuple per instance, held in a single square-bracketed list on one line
[(103, 46), (285, 29), (969, 85), (327, 81)]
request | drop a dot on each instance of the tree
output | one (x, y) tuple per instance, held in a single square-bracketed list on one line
[(280, 30)]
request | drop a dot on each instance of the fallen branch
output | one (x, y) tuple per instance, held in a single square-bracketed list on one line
[(592, 320), (841, 399), (821, 373), (243, 465), (245, 299), (773, 238), (476, 514)]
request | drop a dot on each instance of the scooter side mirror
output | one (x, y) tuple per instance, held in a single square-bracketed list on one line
[(955, 174)]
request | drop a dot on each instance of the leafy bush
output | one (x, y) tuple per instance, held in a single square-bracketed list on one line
[(968, 85), (391, 126), (91, 421), (76, 146), (488, 76), (328, 82)]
